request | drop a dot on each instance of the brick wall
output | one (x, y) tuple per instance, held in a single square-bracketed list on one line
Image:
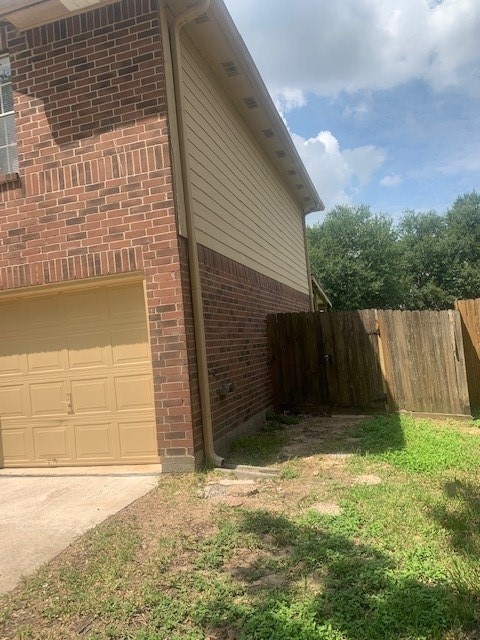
[(236, 303), (95, 195)]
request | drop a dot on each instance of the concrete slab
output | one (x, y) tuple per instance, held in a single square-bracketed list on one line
[(111, 470), (40, 515)]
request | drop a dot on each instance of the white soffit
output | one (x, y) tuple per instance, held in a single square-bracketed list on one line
[(28, 14), (77, 5)]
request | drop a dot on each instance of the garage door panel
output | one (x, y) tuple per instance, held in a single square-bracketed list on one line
[(137, 439), (51, 443), (94, 441), (12, 358), (45, 354), (13, 401), (86, 308), (17, 446), (126, 304), (48, 398), (130, 344), (11, 317), (88, 349), (133, 392), (90, 395), (42, 312)]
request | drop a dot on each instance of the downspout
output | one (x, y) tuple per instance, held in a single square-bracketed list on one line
[(193, 264)]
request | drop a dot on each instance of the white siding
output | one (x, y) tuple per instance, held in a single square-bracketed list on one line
[(243, 210)]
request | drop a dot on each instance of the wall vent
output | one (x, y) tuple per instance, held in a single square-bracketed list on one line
[(268, 133), (230, 68), (251, 102), (300, 186), (202, 18), (292, 172), (280, 153), (307, 198)]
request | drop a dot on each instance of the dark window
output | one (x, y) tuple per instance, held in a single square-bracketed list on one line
[(8, 140)]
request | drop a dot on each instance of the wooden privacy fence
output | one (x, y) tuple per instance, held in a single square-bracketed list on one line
[(370, 360)]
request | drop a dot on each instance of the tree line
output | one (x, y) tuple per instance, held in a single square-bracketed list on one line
[(425, 261)]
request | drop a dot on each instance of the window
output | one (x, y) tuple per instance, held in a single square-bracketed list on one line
[(8, 140)]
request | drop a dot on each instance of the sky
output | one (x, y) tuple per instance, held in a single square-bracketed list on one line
[(381, 97)]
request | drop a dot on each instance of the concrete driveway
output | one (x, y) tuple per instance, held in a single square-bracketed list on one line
[(43, 511)]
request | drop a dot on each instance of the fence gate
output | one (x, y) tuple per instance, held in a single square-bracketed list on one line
[(324, 360)]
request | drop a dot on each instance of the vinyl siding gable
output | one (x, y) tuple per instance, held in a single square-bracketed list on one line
[(242, 208)]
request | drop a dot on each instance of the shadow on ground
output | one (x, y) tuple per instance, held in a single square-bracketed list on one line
[(459, 515), (334, 589), (317, 435)]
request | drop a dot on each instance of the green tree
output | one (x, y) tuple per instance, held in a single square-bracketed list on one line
[(354, 255), (427, 262), (463, 224), (424, 265), (440, 255)]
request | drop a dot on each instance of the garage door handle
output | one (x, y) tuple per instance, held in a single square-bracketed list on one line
[(68, 402)]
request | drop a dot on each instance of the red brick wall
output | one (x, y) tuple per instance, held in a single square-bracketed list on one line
[(95, 194), (236, 303)]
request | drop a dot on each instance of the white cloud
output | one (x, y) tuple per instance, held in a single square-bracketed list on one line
[(335, 172), (465, 162), (326, 47), (357, 112), (391, 180), (288, 99)]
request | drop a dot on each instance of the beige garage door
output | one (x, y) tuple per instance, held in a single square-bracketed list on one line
[(76, 378)]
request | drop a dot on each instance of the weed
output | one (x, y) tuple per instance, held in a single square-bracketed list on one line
[(263, 446), (289, 473), (259, 448)]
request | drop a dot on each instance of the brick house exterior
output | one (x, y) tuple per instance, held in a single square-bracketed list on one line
[(94, 201)]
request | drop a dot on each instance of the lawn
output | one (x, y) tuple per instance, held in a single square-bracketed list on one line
[(371, 531)]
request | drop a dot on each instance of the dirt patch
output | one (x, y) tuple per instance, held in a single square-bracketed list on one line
[(367, 478), (327, 508), (317, 435)]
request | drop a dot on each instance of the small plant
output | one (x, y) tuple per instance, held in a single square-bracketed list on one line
[(289, 473)]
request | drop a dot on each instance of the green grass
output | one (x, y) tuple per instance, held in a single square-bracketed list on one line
[(263, 446), (399, 563), (425, 447), (109, 552)]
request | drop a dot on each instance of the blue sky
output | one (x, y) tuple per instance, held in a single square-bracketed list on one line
[(381, 96)]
